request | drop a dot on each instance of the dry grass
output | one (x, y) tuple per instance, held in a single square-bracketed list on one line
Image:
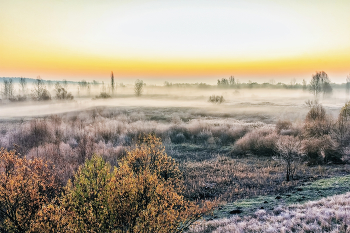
[(230, 179)]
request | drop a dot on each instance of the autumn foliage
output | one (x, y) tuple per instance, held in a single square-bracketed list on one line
[(26, 186), (142, 194)]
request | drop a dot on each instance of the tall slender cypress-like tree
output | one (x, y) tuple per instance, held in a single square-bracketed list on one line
[(112, 83)]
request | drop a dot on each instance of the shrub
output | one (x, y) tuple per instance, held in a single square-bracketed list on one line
[(260, 142), (317, 128), (178, 139), (333, 153), (86, 199), (39, 91), (343, 125), (283, 125), (311, 147), (316, 112), (216, 99), (26, 186), (321, 150), (204, 136), (178, 134), (317, 123), (103, 95), (142, 194), (62, 93)]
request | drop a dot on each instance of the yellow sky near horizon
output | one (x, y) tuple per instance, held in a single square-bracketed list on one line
[(256, 40)]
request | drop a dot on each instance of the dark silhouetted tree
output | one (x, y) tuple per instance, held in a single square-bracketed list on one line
[(7, 91), (112, 83), (320, 83), (138, 88), (62, 93), (304, 85), (39, 91), (23, 84)]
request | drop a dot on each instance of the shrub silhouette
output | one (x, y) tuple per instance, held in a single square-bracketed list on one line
[(61, 93), (216, 99)]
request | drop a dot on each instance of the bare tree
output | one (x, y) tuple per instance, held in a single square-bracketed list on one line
[(232, 80), (304, 85), (23, 84), (288, 148), (65, 84), (138, 88), (39, 91), (7, 91), (320, 83)]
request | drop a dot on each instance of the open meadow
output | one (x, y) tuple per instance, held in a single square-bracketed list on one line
[(257, 142)]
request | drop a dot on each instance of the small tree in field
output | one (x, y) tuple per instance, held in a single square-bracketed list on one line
[(39, 91), (320, 83), (7, 91), (348, 84), (138, 88), (288, 153), (23, 84), (113, 86)]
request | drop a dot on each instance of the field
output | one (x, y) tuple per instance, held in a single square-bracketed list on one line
[(228, 153)]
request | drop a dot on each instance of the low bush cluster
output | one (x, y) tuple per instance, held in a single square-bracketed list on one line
[(217, 99), (319, 139)]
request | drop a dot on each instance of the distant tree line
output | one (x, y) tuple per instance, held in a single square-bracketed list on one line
[(39, 91)]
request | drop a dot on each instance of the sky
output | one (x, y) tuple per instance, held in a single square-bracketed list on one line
[(179, 41)]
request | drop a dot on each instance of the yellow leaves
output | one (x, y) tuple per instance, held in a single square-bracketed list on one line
[(142, 194), (25, 186)]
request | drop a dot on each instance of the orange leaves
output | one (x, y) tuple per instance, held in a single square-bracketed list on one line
[(25, 186), (142, 194)]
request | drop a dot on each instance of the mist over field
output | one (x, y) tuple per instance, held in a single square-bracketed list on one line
[(213, 145), (271, 104), (174, 116)]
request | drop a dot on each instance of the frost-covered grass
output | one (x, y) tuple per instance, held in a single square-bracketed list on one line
[(268, 214), (331, 214)]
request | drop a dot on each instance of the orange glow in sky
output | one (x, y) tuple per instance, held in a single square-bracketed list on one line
[(256, 40)]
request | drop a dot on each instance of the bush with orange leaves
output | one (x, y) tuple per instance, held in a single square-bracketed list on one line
[(142, 194), (26, 186)]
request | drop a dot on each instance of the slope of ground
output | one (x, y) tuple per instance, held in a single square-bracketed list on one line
[(320, 206)]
